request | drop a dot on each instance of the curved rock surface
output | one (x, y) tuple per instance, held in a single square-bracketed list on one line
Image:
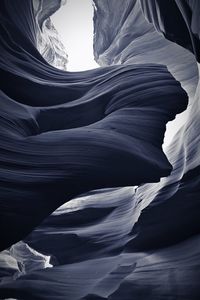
[(48, 39), (123, 36), (65, 134)]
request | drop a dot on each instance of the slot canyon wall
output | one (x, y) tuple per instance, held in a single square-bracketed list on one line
[(48, 40), (91, 207)]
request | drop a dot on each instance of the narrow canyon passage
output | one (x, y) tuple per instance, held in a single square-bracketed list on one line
[(74, 146)]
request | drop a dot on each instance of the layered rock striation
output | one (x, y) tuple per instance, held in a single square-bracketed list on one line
[(74, 145)]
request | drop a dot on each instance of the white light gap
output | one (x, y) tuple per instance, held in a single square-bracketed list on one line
[(74, 23)]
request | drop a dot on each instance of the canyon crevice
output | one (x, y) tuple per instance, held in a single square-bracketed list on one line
[(91, 205)]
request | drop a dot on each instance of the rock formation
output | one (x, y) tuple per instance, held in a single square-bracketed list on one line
[(48, 39), (103, 212)]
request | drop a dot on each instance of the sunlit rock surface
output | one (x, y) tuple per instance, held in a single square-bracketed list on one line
[(100, 129), (123, 36), (48, 40)]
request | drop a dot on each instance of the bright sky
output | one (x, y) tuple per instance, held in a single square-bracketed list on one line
[(74, 22)]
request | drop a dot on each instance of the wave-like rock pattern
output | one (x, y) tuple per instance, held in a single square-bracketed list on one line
[(124, 36), (63, 134), (67, 133), (172, 272), (183, 14)]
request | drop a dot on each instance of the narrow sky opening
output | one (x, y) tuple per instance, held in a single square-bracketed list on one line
[(74, 22)]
